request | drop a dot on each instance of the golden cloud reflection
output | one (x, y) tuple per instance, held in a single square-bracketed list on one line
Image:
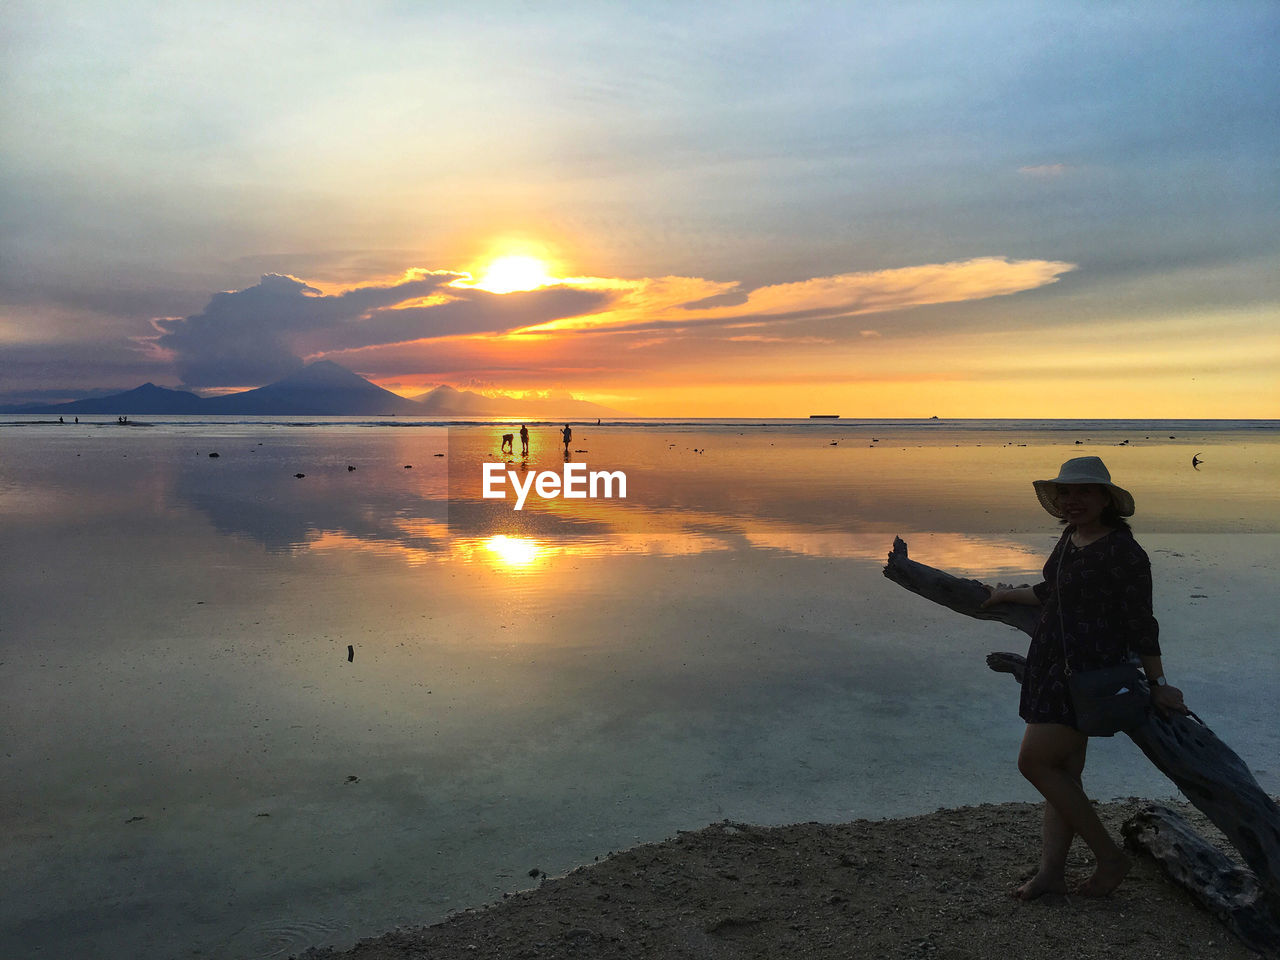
[(521, 554), (511, 553), (957, 553), (778, 493), (423, 527), (960, 554), (332, 541)]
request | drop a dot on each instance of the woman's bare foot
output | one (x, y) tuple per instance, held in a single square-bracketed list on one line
[(1105, 878), (1039, 885)]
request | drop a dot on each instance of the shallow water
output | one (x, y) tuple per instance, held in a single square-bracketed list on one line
[(194, 767)]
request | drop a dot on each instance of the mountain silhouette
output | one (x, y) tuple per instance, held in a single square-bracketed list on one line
[(148, 399), (323, 389)]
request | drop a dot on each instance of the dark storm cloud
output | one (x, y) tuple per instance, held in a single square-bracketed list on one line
[(261, 333), (246, 336)]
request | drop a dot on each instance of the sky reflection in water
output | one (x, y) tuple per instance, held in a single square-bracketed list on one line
[(802, 492), (526, 689)]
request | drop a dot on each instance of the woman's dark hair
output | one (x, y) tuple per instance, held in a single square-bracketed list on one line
[(1110, 517)]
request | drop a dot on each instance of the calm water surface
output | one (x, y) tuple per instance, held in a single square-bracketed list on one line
[(193, 767)]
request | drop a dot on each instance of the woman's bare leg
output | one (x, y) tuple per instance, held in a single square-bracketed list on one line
[(1055, 842), (1052, 758)]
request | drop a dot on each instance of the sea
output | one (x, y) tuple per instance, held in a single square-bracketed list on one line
[(272, 683)]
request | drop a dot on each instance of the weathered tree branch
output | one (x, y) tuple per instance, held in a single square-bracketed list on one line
[(1223, 887), (962, 596), (1204, 768)]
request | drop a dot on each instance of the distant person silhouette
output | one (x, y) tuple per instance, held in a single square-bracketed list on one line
[(567, 435), (506, 442), (60, 420), (524, 440)]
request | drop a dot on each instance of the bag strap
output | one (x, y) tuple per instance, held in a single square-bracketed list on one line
[(1057, 599)]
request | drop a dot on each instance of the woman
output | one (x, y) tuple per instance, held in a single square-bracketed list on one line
[(1096, 599)]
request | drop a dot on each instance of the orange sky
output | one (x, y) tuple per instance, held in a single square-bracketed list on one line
[(876, 344), (753, 210)]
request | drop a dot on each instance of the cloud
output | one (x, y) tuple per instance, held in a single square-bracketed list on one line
[(462, 312), (246, 336), (757, 338), (882, 291), (258, 334), (671, 300)]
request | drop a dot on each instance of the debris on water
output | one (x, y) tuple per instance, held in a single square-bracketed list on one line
[(213, 455), (299, 475)]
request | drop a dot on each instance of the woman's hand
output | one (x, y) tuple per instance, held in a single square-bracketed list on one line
[(1168, 698), (1007, 593)]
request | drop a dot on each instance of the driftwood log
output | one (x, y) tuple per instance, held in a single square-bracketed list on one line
[(1224, 888), (1208, 772)]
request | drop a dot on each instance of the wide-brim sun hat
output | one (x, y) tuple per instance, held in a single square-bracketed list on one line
[(1083, 470)]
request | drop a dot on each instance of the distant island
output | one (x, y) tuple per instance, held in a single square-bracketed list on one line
[(323, 389)]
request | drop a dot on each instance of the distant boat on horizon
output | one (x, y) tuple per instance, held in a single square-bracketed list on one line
[(824, 416)]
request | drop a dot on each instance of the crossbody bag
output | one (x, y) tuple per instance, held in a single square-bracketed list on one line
[(1107, 700)]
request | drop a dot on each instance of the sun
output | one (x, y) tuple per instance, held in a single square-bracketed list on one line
[(514, 273)]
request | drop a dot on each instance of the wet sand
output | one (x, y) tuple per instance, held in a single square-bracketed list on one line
[(933, 886)]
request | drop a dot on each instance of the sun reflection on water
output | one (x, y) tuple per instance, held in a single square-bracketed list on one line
[(514, 553)]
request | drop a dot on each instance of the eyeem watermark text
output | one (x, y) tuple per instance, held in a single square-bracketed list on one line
[(573, 483)]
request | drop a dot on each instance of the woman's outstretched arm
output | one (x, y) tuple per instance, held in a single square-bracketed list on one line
[(1004, 593)]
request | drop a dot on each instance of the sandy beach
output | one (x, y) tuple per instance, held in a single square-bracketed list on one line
[(933, 886)]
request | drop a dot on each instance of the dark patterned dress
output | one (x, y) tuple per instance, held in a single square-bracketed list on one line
[(1104, 590)]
